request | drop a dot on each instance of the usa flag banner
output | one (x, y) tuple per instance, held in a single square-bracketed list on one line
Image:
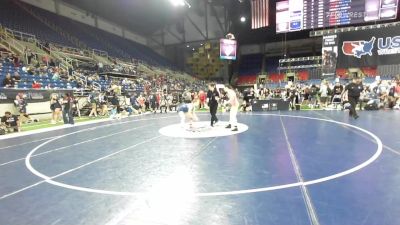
[(259, 13)]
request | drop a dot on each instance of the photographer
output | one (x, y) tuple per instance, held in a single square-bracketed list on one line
[(248, 99), (10, 123), (21, 104)]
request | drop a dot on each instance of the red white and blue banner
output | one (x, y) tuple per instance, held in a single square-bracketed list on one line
[(371, 47), (259, 13)]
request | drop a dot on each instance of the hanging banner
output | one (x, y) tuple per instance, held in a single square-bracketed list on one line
[(329, 55), (371, 47), (228, 49), (8, 95)]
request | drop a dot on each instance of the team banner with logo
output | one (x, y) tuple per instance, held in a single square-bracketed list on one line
[(369, 47), (329, 55), (31, 95)]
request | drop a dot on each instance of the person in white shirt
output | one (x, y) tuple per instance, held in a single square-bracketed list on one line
[(234, 106), (324, 91)]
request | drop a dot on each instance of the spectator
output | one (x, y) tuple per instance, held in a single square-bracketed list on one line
[(391, 95), (103, 105), (313, 96), (52, 63), (29, 55), (202, 98), (115, 107), (93, 102), (36, 85), (21, 104), (15, 60), (17, 77), (56, 109), (153, 102), (8, 82), (397, 95), (56, 76), (135, 104), (10, 122), (324, 91), (67, 109)]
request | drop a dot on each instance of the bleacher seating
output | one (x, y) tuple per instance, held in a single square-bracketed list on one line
[(250, 64), (102, 40), (276, 77), (16, 18), (303, 75), (272, 64), (370, 71), (27, 79), (247, 80), (13, 17)]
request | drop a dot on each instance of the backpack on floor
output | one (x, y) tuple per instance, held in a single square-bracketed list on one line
[(371, 106)]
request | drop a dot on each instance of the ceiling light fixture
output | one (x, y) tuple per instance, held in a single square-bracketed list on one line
[(180, 3)]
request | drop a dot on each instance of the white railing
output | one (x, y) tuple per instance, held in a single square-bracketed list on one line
[(21, 35), (71, 50), (12, 43), (63, 66), (100, 53), (96, 86), (80, 78)]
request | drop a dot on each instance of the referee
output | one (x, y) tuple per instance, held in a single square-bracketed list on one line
[(212, 99), (354, 90)]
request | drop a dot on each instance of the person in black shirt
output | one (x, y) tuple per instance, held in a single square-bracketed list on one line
[(354, 90), (153, 102), (67, 103), (8, 82), (212, 99), (10, 122), (337, 90)]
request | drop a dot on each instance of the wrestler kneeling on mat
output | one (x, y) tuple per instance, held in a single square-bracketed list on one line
[(187, 113)]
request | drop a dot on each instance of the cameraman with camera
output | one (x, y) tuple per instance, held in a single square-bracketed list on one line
[(9, 123)]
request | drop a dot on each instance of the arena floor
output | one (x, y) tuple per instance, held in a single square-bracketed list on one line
[(314, 167)]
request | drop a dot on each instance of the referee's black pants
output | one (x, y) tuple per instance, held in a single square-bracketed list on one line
[(353, 100), (213, 112)]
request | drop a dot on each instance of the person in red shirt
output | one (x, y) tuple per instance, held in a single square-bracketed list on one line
[(36, 85), (158, 100), (202, 98), (397, 89), (397, 95)]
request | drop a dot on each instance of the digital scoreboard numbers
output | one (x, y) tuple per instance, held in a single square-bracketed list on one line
[(295, 15)]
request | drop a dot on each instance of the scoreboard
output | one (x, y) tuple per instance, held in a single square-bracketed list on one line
[(295, 15)]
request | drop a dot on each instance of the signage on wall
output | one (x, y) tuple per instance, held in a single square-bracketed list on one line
[(369, 47), (228, 49)]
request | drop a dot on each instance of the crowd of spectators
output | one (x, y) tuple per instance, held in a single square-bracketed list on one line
[(36, 72), (327, 95)]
